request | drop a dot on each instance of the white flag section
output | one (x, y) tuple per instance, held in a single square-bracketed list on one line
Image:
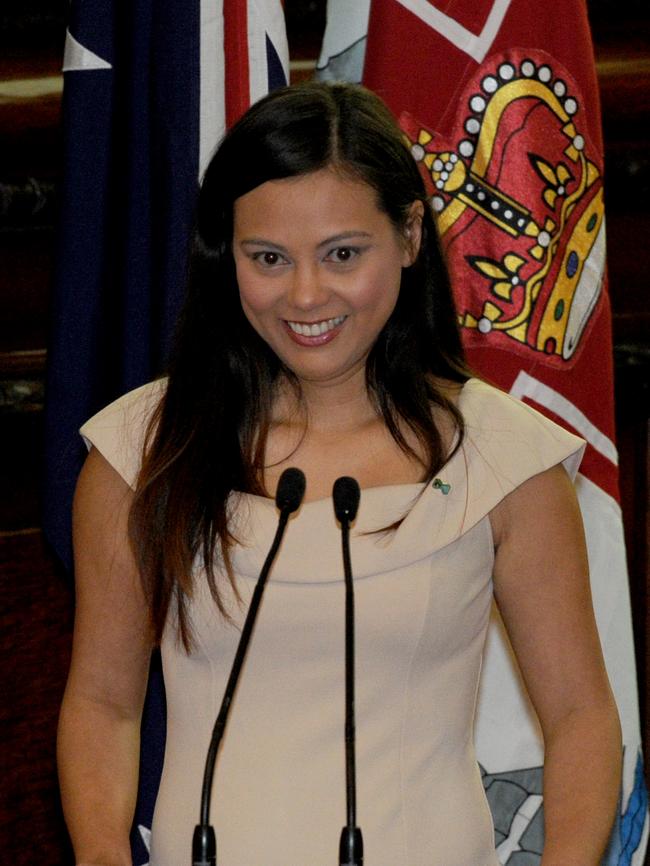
[(344, 41), (476, 45), (212, 117), (77, 58), (262, 41), (212, 123), (266, 28)]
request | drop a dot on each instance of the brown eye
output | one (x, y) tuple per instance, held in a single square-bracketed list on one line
[(343, 255), (268, 258)]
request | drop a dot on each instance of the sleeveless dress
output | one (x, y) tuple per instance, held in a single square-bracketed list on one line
[(423, 595)]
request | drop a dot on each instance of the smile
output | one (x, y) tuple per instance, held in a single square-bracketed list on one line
[(316, 329)]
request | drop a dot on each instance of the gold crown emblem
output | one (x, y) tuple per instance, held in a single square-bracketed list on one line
[(519, 207)]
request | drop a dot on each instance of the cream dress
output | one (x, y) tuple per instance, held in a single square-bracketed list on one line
[(423, 595)]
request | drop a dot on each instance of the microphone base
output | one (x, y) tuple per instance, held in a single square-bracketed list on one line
[(351, 847), (204, 846)]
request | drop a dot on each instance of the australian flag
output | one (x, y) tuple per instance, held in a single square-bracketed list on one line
[(149, 88)]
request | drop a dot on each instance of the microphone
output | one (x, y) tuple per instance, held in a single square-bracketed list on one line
[(346, 496), (289, 494), (291, 489)]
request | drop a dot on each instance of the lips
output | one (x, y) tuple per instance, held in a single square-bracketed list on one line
[(314, 333)]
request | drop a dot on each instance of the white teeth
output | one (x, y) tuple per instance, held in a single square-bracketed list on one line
[(317, 328)]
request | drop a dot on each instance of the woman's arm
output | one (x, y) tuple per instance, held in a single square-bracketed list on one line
[(541, 582), (99, 725)]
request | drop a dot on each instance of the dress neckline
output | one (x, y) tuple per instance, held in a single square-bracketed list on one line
[(414, 486)]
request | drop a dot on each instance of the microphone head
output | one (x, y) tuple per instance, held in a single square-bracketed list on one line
[(291, 489), (346, 496)]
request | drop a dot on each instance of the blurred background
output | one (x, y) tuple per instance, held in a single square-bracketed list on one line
[(36, 600)]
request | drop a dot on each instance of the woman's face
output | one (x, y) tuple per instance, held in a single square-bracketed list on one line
[(319, 269)]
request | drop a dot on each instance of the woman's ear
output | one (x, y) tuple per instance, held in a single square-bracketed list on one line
[(413, 233)]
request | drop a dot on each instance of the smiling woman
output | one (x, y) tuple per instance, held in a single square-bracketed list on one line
[(319, 265), (319, 332)]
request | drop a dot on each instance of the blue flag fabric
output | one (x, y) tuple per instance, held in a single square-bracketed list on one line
[(131, 123), (146, 86)]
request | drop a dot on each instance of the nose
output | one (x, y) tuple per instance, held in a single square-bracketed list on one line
[(307, 288)]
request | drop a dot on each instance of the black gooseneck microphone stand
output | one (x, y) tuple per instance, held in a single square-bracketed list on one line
[(291, 489), (346, 496)]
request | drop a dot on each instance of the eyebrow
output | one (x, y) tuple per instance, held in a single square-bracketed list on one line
[(343, 236)]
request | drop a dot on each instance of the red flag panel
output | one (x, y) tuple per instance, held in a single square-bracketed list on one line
[(508, 141)]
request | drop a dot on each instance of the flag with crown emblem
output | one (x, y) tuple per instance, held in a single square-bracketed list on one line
[(499, 102), (149, 88)]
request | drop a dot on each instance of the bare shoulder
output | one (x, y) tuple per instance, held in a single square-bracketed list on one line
[(97, 475), (100, 515), (544, 505), (112, 641), (540, 549), (541, 585)]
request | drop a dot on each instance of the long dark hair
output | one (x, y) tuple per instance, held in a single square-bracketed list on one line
[(207, 438)]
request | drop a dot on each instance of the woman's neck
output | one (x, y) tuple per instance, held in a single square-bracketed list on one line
[(327, 407)]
